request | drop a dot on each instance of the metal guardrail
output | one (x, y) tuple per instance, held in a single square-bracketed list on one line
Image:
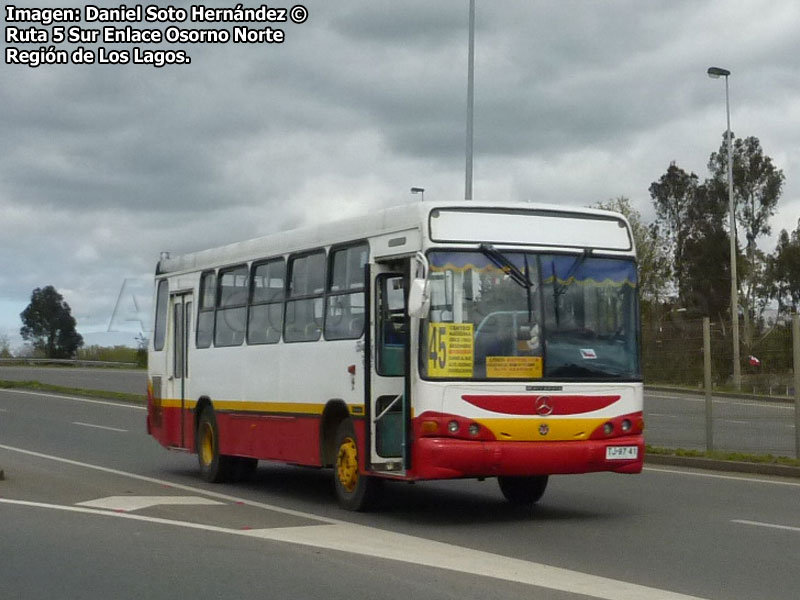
[(66, 361)]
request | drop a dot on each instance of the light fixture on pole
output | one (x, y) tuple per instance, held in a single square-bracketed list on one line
[(716, 73), (420, 191)]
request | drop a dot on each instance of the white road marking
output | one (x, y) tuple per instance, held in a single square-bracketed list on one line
[(120, 515), (129, 503), (368, 541), (75, 399), (743, 478), (99, 427), (170, 484), (768, 525)]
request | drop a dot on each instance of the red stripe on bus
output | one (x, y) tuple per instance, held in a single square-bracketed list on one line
[(533, 404)]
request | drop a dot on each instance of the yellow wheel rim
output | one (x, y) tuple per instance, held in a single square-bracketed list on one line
[(347, 464), (207, 444)]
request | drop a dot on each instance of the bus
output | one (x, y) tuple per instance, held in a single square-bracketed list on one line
[(430, 341)]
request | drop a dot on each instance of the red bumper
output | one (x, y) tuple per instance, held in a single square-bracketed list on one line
[(441, 458)]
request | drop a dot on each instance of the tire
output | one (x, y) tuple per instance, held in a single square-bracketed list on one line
[(523, 490), (214, 467), (354, 491)]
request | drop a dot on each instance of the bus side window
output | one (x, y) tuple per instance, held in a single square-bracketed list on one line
[(265, 320), (304, 307), (231, 316), (344, 301)]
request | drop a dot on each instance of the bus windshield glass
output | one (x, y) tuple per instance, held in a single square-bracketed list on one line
[(521, 315)]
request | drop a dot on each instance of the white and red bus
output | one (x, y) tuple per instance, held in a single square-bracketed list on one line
[(430, 341)]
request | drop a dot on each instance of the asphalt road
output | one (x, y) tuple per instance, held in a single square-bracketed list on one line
[(131, 381), (92, 507), (676, 420)]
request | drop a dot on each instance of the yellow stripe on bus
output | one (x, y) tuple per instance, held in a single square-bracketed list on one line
[(293, 408), (551, 430)]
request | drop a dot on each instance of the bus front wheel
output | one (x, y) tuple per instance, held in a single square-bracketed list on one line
[(354, 490), (523, 490)]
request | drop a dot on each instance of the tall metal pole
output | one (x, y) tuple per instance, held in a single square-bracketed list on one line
[(470, 99), (717, 72), (737, 368)]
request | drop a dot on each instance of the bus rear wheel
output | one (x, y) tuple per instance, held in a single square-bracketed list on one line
[(523, 490), (354, 490)]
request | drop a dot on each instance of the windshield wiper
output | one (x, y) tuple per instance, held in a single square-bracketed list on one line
[(505, 265), (510, 269)]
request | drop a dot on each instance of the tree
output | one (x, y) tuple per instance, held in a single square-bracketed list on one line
[(783, 272), (5, 346), (673, 195), (705, 288), (757, 186), (48, 324), (690, 218)]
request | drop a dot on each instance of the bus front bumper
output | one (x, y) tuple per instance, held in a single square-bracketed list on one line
[(442, 458)]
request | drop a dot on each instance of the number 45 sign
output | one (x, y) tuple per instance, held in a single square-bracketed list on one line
[(450, 350)]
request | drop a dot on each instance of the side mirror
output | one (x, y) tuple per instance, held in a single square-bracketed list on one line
[(419, 299), (419, 296)]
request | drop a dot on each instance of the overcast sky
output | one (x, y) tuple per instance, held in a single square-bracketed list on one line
[(576, 102)]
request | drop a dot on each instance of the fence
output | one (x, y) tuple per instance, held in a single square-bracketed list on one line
[(693, 401)]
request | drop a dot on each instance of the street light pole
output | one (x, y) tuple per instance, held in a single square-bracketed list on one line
[(470, 99), (716, 73)]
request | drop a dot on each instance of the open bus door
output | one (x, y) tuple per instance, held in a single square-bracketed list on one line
[(387, 386)]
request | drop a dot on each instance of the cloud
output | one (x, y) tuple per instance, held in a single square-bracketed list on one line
[(575, 102)]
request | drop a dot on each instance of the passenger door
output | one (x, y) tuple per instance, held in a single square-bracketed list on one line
[(388, 358), (177, 381)]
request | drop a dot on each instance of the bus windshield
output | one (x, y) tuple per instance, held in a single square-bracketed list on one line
[(522, 315)]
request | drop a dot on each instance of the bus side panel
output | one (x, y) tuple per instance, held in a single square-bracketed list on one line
[(164, 422), (293, 439), (163, 415)]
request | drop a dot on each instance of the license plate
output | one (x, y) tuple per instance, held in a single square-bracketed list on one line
[(622, 452)]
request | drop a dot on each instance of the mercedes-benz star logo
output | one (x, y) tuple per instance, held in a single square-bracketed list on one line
[(544, 406)]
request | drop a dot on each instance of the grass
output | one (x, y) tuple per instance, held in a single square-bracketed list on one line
[(46, 387)]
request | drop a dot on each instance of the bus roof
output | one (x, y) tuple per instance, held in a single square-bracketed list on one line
[(380, 222)]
